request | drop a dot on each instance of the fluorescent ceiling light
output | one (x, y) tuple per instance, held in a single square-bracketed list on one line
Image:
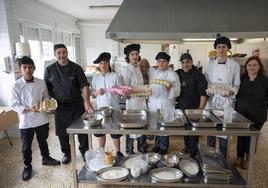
[(205, 39), (103, 6)]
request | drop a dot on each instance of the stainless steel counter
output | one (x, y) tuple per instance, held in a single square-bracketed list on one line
[(111, 125)]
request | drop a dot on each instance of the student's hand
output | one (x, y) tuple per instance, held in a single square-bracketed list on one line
[(99, 92), (31, 109), (88, 107), (168, 88), (229, 93)]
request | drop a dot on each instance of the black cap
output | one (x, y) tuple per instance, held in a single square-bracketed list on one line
[(105, 56), (162, 55), (186, 56), (223, 40), (56, 46), (131, 47)]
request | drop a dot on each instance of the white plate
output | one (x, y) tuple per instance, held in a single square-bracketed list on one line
[(166, 175), (113, 174)]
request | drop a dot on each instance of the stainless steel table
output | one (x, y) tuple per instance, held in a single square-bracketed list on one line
[(110, 125)]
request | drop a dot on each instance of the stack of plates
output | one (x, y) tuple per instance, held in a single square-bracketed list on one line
[(213, 164)]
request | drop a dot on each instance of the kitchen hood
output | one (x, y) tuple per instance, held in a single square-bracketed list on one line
[(175, 20)]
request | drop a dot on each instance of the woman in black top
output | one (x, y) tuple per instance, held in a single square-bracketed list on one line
[(251, 102)]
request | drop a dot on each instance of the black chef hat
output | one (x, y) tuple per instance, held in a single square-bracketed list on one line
[(222, 40), (56, 46), (105, 56), (162, 55), (186, 56), (131, 47)]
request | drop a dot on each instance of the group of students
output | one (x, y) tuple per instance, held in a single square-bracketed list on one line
[(187, 89)]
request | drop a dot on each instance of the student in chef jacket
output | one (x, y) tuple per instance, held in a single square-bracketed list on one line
[(251, 102), (26, 93), (66, 81), (192, 96), (100, 85), (132, 76), (163, 97), (222, 70)]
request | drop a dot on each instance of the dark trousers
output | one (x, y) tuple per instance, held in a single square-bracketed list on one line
[(142, 145), (65, 145), (223, 143), (27, 136), (162, 142), (191, 142), (243, 142)]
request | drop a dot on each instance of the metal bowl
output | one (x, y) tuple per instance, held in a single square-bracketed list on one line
[(189, 167), (93, 120), (153, 158), (106, 111), (170, 160)]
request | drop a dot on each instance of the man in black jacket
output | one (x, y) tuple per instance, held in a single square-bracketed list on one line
[(66, 81), (193, 95)]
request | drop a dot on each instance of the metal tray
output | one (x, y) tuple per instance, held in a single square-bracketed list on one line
[(133, 119), (238, 121), (173, 175), (213, 164), (201, 118), (179, 122), (113, 174)]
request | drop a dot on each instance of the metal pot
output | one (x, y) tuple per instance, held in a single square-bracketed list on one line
[(106, 111)]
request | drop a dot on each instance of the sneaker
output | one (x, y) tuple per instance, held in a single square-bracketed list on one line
[(50, 161), (27, 172), (238, 161), (184, 151)]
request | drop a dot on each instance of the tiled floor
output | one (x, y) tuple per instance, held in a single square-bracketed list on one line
[(61, 177)]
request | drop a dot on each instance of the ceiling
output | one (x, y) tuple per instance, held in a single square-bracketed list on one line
[(80, 8)]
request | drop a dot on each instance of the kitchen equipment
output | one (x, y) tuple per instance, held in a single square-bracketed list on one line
[(170, 160), (179, 121), (237, 122), (213, 164), (201, 118), (106, 111), (153, 158), (189, 167), (112, 174), (133, 119), (92, 120), (166, 175)]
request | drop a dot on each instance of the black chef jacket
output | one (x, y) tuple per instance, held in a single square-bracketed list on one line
[(193, 86), (64, 83), (252, 98)]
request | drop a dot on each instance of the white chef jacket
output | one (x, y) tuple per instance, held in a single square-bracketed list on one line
[(228, 73), (132, 76), (161, 98), (105, 82), (28, 95)]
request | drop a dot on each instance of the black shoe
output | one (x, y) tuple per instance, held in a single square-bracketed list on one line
[(130, 152), (155, 149), (50, 161), (27, 171), (66, 159), (162, 151), (142, 150), (184, 151), (119, 156)]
